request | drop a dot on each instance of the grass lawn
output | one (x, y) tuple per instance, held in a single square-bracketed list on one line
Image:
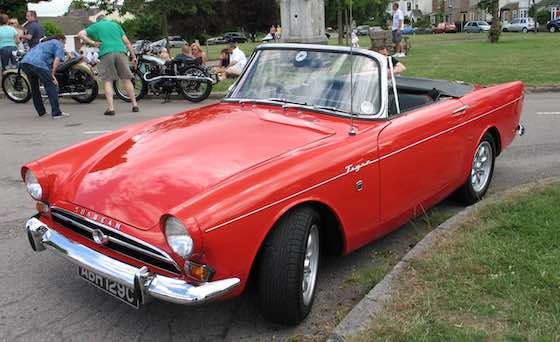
[(499, 280), (531, 58)]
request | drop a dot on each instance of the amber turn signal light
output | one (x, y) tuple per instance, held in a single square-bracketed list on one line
[(199, 272), (42, 208)]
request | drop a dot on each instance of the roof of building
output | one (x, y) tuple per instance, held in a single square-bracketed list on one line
[(70, 25), (510, 5), (548, 3)]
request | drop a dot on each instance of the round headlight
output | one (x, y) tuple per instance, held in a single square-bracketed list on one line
[(33, 186), (178, 237)]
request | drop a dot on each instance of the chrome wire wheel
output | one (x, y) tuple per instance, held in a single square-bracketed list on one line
[(310, 264), (481, 166)]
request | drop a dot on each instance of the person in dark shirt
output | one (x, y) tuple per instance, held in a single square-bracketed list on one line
[(398, 67), (34, 30)]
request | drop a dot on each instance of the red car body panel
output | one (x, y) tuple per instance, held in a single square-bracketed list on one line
[(230, 171)]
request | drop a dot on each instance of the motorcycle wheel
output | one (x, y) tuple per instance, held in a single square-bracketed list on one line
[(195, 91), (92, 88), (16, 87), (140, 87)]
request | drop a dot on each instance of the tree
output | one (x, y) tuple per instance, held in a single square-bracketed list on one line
[(51, 28), (15, 8), (492, 6), (143, 27)]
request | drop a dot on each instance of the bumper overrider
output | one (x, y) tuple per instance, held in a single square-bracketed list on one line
[(146, 285)]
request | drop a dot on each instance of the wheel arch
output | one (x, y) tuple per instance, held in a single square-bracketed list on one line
[(332, 231), (497, 138)]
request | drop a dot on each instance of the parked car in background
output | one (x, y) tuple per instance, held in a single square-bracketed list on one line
[(422, 30), (362, 30), (216, 40), (236, 37), (444, 28), (520, 25), (476, 27), (408, 30), (175, 42), (553, 25)]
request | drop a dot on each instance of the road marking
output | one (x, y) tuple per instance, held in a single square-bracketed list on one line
[(98, 132), (548, 113)]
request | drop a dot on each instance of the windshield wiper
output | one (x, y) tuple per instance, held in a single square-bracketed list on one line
[(286, 101), (331, 108)]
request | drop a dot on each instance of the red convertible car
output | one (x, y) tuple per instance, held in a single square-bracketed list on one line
[(315, 150)]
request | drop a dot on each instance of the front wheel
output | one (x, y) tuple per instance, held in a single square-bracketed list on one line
[(16, 87), (525, 30), (289, 266), (482, 170), (195, 91), (552, 29), (140, 87)]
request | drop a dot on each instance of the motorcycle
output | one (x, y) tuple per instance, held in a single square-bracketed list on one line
[(162, 78), (75, 80)]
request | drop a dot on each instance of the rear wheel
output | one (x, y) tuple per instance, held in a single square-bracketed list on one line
[(289, 267), (195, 91), (552, 29), (525, 30), (90, 85), (140, 87), (16, 87), (482, 170)]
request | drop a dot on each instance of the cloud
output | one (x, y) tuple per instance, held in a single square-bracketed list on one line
[(50, 8)]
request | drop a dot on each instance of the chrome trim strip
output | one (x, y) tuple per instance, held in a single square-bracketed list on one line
[(155, 285), (349, 170), (168, 258)]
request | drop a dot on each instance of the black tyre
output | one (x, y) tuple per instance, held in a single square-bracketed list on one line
[(505, 30), (90, 85), (288, 268), (195, 91), (525, 30), (16, 87), (140, 87), (552, 29), (482, 170)]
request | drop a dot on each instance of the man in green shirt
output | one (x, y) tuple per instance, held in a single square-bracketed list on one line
[(113, 44)]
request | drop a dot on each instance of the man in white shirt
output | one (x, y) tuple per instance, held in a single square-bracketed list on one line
[(398, 19), (237, 61)]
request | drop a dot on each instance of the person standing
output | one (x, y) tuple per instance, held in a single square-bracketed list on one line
[(398, 20), (40, 64), (113, 44), (34, 30), (9, 39)]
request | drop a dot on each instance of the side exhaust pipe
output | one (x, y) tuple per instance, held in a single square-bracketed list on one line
[(180, 77)]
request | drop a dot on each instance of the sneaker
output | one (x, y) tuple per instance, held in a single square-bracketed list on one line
[(109, 112), (41, 115), (61, 116), (135, 109)]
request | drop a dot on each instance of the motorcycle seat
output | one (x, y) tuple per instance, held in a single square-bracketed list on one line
[(68, 64), (185, 60)]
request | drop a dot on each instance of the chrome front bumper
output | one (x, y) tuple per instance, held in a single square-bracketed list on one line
[(145, 284)]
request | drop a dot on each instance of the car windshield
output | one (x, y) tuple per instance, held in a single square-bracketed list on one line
[(318, 79)]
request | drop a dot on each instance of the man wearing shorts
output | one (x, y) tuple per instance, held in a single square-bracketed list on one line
[(237, 61), (113, 44), (398, 19)]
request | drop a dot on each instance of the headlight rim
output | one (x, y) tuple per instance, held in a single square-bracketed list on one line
[(28, 184), (183, 229)]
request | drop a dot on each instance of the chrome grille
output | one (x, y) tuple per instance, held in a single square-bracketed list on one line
[(118, 241)]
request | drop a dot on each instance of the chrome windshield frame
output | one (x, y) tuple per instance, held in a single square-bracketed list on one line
[(376, 57)]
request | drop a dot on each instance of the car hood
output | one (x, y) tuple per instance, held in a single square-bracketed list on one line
[(145, 174)]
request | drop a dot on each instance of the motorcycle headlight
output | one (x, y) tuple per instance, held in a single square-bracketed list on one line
[(33, 186), (178, 237)]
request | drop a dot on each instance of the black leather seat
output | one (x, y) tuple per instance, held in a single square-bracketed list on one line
[(68, 64)]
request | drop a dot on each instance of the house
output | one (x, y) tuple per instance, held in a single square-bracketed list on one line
[(553, 6), (70, 25)]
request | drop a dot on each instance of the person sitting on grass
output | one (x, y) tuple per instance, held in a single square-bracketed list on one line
[(198, 53), (164, 54), (237, 61), (224, 62), (186, 56), (398, 67)]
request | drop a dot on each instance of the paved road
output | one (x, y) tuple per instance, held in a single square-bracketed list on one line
[(42, 298)]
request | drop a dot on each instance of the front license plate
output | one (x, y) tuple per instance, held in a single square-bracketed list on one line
[(118, 290)]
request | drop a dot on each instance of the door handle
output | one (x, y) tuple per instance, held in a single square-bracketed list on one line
[(460, 110)]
